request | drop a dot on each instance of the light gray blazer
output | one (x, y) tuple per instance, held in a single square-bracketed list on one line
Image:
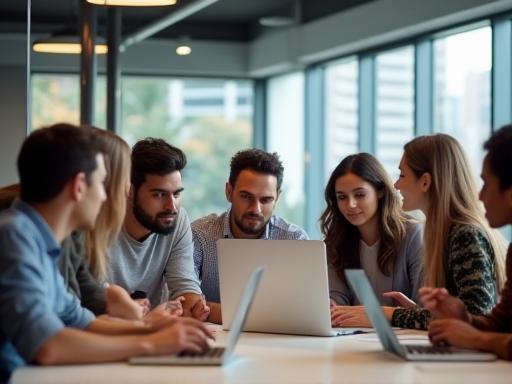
[(407, 271)]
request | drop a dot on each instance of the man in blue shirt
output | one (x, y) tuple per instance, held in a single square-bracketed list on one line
[(253, 190), (62, 170)]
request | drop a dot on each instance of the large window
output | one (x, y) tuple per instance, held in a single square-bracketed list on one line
[(394, 105), (56, 98), (341, 112), (462, 90), (210, 119), (285, 125)]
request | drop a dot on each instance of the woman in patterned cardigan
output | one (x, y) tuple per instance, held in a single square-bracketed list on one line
[(460, 251), (453, 324)]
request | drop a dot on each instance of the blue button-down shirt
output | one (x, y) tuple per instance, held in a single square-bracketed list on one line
[(207, 230), (34, 302)]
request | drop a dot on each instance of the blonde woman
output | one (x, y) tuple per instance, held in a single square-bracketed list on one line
[(461, 252), (84, 258), (491, 332)]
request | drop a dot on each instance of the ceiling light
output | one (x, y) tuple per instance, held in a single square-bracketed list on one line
[(64, 45), (133, 3), (277, 21), (184, 48)]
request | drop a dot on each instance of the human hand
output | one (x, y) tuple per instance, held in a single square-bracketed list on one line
[(400, 298), (355, 316), (185, 334), (144, 304), (200, 310), (164, 313), (349, 316), (173, 307), (442, 305), (454, 332)]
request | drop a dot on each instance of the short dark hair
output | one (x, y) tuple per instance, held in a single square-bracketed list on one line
[(152, 156), (51, 156), (256, 160), (499, 154)]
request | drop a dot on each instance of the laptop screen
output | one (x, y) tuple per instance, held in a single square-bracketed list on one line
[(242, 311), (364, 292)]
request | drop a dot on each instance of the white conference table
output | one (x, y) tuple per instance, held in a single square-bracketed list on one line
[(267, 358)]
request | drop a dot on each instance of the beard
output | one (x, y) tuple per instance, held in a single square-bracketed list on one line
[(256, 229), (152, 222)]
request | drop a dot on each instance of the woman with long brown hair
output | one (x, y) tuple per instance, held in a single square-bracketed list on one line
[(365, 227)]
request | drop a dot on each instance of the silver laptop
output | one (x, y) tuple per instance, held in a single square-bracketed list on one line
[(293, 297), (364, 292), (217, 355)]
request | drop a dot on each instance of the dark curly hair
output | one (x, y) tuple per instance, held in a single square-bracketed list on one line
[(259, 161)]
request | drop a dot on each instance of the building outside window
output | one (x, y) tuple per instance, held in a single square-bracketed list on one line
[(394, 105), (462, 90), (341, 112)]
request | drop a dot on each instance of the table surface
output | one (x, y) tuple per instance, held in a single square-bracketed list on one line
[(269, 358)]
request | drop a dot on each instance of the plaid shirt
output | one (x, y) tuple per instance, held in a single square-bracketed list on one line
[(207, 230)]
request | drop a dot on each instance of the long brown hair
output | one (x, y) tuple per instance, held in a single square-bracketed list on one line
[(111, 215), (342, 238), (453, 199)]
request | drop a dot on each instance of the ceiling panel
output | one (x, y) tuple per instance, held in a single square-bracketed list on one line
[(225, 20)]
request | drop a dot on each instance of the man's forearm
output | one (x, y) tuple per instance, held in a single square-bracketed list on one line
[(215, 313), (116, 326), (498, 343), (75, 346)]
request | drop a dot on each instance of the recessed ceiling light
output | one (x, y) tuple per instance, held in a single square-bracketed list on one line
[(276, 21), (183, 50)]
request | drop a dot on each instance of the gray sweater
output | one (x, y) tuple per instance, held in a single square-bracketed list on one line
[(406, 277), (161, 265)]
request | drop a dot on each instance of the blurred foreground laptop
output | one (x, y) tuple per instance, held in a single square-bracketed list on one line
[(216, 355), (364, 292), (293, 297)]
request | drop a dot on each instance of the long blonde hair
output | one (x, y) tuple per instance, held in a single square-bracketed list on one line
[(111, 215), (453, 199)]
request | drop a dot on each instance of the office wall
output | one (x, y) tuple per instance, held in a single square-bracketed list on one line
[(12, 119)]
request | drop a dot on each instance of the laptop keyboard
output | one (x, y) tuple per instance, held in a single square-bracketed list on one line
[(427, 349), (212, 352)]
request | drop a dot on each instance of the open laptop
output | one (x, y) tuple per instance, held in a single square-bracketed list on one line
[(293, 297), (364, 292), (216, 355)]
